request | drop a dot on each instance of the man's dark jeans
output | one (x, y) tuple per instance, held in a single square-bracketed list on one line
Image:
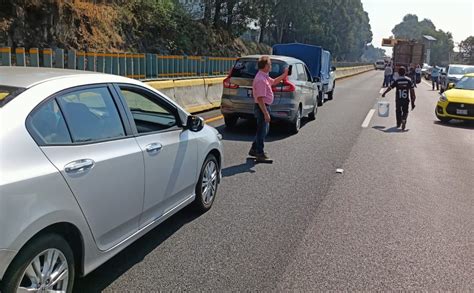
[(435, 81), (262, 130), (387, 80), (401, 106)]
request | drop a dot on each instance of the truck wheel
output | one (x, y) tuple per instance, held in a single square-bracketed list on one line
[(230, 120), (320, 99), (331, 93)]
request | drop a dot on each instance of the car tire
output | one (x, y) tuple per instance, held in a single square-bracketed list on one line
[(320, 99), (54, 245), (206, 188), (230, 120), (312, 114), (296, 123), (331, 93)]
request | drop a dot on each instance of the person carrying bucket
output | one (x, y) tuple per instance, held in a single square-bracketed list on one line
[(405, 94)]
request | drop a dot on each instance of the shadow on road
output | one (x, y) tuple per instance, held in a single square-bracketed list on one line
[(390, 130), (239, 169), (107, 273), (456, 124), (245, 131)]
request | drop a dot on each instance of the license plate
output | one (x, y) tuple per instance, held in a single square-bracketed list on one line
[(461, 111), (250, 93)]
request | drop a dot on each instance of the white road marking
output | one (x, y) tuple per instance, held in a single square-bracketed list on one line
[(366, 122), (425, 82)]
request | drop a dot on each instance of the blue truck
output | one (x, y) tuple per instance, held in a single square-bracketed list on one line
[(318, 62)]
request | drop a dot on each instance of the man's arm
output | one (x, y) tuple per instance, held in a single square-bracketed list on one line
[(277, 80), (390, 87), (386, 91), (263, 108)]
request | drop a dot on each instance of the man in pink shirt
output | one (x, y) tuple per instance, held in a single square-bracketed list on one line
[(263, 96)]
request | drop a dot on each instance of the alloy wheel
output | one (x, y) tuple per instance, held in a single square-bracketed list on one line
[(209, 182), (47, 272)]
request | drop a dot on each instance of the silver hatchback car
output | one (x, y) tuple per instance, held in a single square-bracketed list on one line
[(295, 97), (89, 163)]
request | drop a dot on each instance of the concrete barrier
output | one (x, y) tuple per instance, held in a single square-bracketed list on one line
[(204, 94), (344, 72)]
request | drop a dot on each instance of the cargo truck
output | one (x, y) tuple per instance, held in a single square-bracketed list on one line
[(407, 53), (318, 62)]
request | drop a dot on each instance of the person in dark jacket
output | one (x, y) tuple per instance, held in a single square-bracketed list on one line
[(404, 95), (412, 75)]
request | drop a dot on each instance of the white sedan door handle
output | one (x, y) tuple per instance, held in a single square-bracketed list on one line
[(153, 147), (79, 166)]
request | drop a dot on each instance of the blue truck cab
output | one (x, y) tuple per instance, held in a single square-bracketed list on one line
[(318, 62)]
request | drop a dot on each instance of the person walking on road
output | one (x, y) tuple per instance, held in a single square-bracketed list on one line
[(418, 74), (405, 93), (263, 97), (435, 77), (412, 74), (387, 75)]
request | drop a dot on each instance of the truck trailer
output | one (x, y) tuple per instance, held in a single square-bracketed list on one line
[(318, 62)]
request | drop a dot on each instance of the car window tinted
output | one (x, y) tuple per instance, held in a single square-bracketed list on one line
[(7, 93), (308, 74), (461, 70), (47, 125), (149, 115), (249, 68), (294, 73), (469, 69), (465, 83), (91, 115)]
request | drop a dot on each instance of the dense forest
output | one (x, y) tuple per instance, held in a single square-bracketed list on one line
[(166, 27)]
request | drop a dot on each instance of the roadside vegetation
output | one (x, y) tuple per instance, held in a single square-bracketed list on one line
[(164, 26)]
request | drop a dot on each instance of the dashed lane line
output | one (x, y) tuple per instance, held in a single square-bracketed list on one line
[(369, 116)]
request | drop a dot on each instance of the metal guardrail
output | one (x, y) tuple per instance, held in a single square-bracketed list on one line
[(133, 65)]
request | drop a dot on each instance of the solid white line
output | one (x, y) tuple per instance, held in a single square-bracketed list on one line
[(425, 82), (366, 122)]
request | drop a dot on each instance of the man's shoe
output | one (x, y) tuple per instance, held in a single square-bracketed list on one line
[(398, 125), (252, 153), (404, 124), (263, 158)]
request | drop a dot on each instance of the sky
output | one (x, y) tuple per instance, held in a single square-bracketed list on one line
[(455, 16)]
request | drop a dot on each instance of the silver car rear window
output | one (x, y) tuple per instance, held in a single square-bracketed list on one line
[(7, 93), (246, 68)]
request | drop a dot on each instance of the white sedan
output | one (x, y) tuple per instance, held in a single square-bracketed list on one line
[(89, 163)]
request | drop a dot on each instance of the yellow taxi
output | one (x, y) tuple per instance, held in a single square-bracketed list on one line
[(458, 101)]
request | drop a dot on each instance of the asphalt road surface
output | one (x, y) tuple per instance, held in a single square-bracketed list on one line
[(400, 217)]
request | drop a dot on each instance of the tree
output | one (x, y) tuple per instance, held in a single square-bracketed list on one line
[(372, 54), (466, 50), (413, 29), (341, 26)]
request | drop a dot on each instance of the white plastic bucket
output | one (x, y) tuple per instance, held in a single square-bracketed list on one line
[(384, 108)]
